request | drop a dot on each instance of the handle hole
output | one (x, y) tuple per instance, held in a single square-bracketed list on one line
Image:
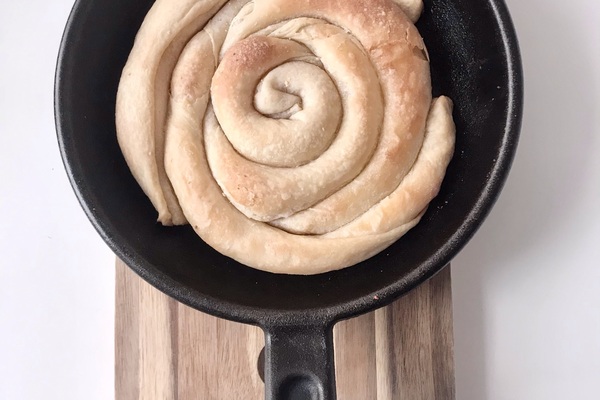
[(299, 388)]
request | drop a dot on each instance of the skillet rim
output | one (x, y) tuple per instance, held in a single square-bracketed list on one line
[(310, 316)]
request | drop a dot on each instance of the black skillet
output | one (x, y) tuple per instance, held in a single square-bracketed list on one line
[(474, 59)]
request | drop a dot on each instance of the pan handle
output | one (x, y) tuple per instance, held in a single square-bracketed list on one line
[(299, 363)]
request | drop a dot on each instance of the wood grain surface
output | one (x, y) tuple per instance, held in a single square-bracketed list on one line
[(168, 351)]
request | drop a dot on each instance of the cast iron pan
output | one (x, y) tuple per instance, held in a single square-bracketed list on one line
[(474, 59)]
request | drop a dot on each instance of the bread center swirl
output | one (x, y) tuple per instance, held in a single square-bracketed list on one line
[(291, 126), (323, 161)]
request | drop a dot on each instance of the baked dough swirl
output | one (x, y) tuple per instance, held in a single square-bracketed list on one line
[(295, 136)]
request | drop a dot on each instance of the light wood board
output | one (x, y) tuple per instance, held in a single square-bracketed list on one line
[(168, 351)]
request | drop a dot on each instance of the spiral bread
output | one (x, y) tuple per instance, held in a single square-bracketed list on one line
[(295, 136)]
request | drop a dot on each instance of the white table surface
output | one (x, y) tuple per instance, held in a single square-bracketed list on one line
[(526, 288)]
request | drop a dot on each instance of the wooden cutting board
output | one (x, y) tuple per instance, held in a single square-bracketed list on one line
[(168, 351)]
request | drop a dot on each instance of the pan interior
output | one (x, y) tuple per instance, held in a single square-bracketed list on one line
[(474, 60)]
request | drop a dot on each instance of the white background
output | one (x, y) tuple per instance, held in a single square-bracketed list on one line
[(526, 288)]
